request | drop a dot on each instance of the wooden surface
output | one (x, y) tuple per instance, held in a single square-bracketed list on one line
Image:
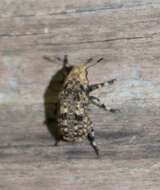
[(126, 34)]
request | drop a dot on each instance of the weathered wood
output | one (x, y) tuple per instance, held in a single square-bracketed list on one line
[(128, 39), (126, 34)]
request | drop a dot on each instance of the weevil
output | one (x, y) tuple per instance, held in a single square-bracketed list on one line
[(72, 112)]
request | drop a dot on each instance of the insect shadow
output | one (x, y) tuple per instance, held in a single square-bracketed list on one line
[(51, 97)]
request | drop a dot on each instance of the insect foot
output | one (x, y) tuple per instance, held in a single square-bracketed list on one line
[(114, 110), (112, 81)]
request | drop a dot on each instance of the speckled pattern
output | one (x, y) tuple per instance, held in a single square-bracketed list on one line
[(126, 33), (74, 121)]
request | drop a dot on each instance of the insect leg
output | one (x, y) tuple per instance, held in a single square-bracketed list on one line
[(96, 101), (91, 138), (56, 142), (65, 61), (93, 87), (92, 98)]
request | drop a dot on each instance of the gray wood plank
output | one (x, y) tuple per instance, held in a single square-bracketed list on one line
[(126, 34)]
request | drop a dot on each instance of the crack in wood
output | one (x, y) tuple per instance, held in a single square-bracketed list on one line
[(80, 42), (86, 9), (101, 41), (23, 35)]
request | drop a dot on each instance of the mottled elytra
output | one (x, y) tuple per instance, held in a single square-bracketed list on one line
[(72, 113)]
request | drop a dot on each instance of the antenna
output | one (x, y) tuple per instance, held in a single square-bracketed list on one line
[(89, 60), (65, 60)]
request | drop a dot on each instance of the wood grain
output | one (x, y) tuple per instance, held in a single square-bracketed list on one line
[(126, 34)]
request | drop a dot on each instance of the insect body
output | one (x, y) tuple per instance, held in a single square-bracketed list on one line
[(74, 124)]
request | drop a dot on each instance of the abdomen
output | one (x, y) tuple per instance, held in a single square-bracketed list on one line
[(73, 119)]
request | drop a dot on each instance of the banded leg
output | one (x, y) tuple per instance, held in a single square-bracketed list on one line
[(91, 138), (93, 87), (96, 101)]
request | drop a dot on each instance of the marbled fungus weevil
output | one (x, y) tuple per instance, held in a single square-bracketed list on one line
[(73, 120)]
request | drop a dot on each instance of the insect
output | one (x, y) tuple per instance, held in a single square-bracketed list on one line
[(72, 113)]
